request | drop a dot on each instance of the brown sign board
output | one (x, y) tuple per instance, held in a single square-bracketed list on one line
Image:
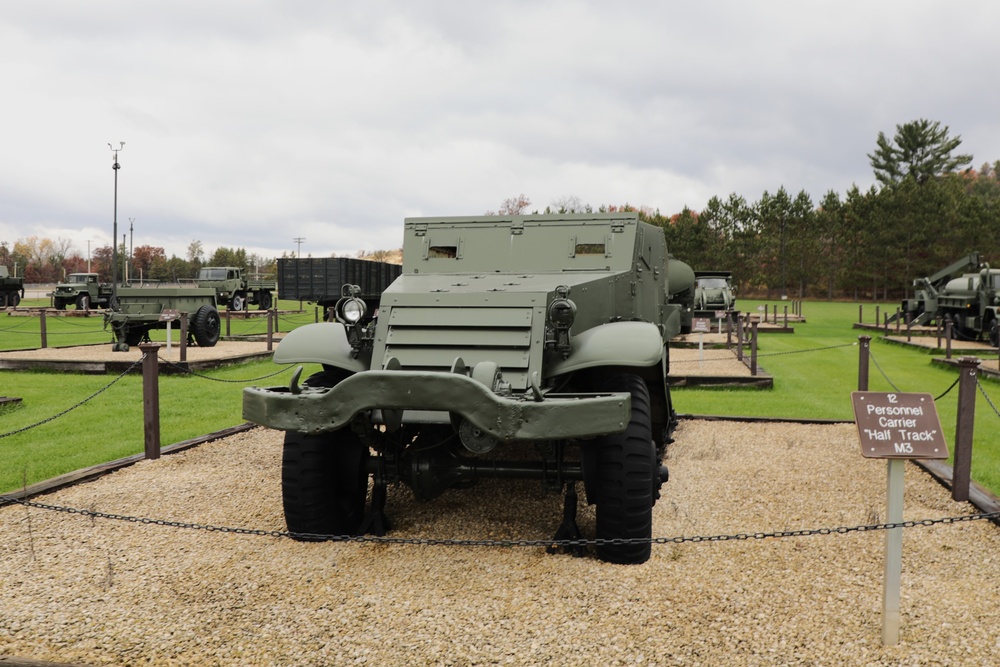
[(720, 314), (898, 425), (168, 315), (701, 325)]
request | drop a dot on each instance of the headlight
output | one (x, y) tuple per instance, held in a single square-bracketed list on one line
[(351, 310), (562, 311)]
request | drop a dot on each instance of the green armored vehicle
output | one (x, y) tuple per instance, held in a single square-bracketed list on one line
[(544, 334)]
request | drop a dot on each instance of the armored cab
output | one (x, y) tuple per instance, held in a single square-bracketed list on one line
[(544, 334)]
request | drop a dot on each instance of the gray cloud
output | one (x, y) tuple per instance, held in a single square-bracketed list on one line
[(250, 123)]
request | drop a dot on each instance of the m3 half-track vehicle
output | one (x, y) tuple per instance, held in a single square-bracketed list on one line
[(545, 334)]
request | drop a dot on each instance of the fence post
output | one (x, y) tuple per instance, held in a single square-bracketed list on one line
[(739, 338), (729, 330), (962, 470), (151, 399), (184, 337), (753, 350), (863, 354), (270, 329), (899, 314), (861, 310), (786, 317), (227, 322), (878, 311), (947, 338), (41, 326), (316, 313)]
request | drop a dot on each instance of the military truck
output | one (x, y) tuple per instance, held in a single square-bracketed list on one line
[(85, 290), (714, 291), (235, 290), (923, 307), (142, 309), (11, 288), (971, 303), (510, 347)]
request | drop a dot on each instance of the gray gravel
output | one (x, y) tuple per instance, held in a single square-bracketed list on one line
[(74, 589)]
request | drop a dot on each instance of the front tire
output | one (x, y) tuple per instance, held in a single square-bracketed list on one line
[(83, 302), (324, 483), (265, 301), (626, 474), (237, 302), (206, 326)]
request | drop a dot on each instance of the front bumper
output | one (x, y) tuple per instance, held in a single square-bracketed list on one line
[(557, 416)]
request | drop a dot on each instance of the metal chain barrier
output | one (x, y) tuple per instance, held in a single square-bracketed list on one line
[(875, 361), (188, 371), (771, 354), (74, 407), (982, 390), (841, 530)]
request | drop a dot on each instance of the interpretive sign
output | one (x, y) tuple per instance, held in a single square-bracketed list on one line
[(169, 315), (701, 325), (898, 425)]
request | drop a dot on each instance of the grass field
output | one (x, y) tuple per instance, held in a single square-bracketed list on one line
[(814, 369)]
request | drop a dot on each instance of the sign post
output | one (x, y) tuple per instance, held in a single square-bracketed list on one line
[(702, 325), (168, 316), (896, 426)]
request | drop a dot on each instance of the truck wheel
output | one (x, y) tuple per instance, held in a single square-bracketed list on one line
[(324, 483), (205, 326), (265, 301), (626, 473), (60, 304), (237, 302), (83, 302), (3, 300), (13, 299), (994, 334)]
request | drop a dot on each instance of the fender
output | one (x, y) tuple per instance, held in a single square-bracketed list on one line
[(636, 344), (322, 343)]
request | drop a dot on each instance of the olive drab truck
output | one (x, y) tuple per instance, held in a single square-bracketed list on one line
[(235, 290), (545, 334), (11, 288), (83, 290)]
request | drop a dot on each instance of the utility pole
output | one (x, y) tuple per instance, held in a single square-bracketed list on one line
[(88, 255), (114, 235), (129, 263), (299, 240)]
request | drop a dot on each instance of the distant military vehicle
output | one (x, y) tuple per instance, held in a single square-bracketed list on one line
[(235, 290), (320, 280), (681, 282), (11, 288), (141, 309), (548, 331), (965, 293), (84, 290), (714, 291)]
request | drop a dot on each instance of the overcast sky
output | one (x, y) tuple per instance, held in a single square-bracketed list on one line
[(249, 123)]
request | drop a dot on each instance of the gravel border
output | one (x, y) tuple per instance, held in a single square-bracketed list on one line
[(74, 589)]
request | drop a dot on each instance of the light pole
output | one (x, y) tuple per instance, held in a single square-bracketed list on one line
[(114, 235), (299, 240), (88, 255)]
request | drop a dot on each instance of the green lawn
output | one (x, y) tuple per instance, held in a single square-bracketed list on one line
[(815, 370)]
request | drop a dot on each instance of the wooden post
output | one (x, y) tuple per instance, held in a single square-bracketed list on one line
[(184, 337), (877, 315), (151, 399), (861, 310), (947, 338), (962, 470), (899, 314), (739, 338), (270, 326), (863, 355), (41, 326), (227, 323), (753, 351), (786, 317)]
